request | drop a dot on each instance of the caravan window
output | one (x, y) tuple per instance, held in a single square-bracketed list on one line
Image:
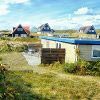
[(96, 53), (47, 44), (58, 45)]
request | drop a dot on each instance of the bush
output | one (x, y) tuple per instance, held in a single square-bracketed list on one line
[(5, 38), (94, 68), (83, 68), (0, 58), (70, 68), (5, 48), (20, 48), (9, 48)]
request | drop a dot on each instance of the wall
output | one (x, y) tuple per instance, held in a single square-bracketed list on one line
[(70, 49), (71, 56), (86, 52)]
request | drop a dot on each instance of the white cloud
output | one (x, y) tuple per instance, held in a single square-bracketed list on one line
[(16, 1), (83, 11), (4, 5), (4, 9), (74, 22)]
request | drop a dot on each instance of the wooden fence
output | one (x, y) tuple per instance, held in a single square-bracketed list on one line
[(50, 55)]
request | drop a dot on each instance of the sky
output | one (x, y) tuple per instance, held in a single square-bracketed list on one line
[(59, 14)]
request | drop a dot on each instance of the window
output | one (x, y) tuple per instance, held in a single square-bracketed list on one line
[(92, 30), (81, 31), (16, 35), (47, 44), (58, 45), (96, 53), (19, 29), (23, 35)]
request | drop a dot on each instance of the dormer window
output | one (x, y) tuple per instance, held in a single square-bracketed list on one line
[(20, 29)]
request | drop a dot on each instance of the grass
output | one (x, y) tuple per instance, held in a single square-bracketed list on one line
[(26, 39), (15, 60), (19, 40), (51, 85)]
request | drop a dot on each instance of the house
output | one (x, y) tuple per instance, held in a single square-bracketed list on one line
[(87, 49), (34, 29), (87, 30), (45, 28), (21, 31)]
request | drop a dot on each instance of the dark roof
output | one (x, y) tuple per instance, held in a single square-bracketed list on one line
[(86, 29), (25, 28), (74, 40), (45, 28)]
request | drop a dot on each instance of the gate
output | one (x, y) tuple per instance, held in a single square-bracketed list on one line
[(50, 55)]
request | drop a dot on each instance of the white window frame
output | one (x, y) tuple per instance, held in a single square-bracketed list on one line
[(95, 47)]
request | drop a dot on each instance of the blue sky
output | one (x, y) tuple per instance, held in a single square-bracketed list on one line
[(60, 14)]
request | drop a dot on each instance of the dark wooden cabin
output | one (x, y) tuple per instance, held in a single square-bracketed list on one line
[(21, 31), (45, 28), (87, 30)]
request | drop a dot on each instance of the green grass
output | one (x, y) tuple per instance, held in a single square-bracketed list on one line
[(26, 39), (51, 85), (19, 40), (34, 86)]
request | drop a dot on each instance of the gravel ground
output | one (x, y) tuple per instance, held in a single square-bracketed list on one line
[(32, 59)]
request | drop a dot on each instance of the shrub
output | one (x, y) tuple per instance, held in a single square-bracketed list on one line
[(70, 68), (0, 58), (94, 68), (9, 48), (5, 48), (20, 48), (83, 68), (5, 38)]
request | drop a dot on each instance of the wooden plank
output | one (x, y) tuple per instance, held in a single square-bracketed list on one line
[(50, 55)]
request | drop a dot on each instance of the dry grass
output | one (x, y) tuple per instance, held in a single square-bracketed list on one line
[(15, 60), (51, 85)]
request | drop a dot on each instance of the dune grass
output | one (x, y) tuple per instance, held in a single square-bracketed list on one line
[(51, 85), (15, 61), (34, 86)]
